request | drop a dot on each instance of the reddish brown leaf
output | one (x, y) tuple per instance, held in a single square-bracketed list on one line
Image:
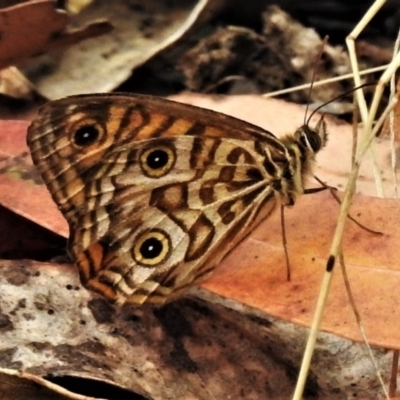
[(21, 189), (34, 27), (255, 272)]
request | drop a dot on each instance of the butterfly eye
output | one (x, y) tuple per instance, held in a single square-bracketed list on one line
[(311, 139), (157, 161), (86, 135), (314, 141), (152, 248)]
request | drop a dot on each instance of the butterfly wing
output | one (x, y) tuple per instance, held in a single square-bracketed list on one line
[(156, 193)]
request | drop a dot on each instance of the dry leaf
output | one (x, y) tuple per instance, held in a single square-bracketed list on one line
[(19, 385), (19, 180), (182, 351), (141, 31), (284, 54), (14, 84), (34, 27)]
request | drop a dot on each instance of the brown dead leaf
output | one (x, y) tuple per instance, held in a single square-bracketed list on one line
[(34, 27), (283, 55), (19, 385), (141, 31), (21, 188), (378, 55), (181, 351), (255, 273)]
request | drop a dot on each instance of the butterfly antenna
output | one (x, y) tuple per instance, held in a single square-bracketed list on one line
[(323, 44), (336, 98)]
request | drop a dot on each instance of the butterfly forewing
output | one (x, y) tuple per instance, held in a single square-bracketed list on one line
[(155, 192)]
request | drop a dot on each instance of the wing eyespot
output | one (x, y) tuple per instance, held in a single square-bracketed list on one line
[(86, 135), (87, 132), (151, 248), (157, 161)]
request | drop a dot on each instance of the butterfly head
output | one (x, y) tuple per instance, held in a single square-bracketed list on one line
[(309, 141), (302, 147), (312, 140)]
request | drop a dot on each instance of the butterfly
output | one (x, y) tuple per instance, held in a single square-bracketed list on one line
[(156, 193)]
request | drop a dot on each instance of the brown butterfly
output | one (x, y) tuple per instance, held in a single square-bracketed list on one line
[(156, 193)]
